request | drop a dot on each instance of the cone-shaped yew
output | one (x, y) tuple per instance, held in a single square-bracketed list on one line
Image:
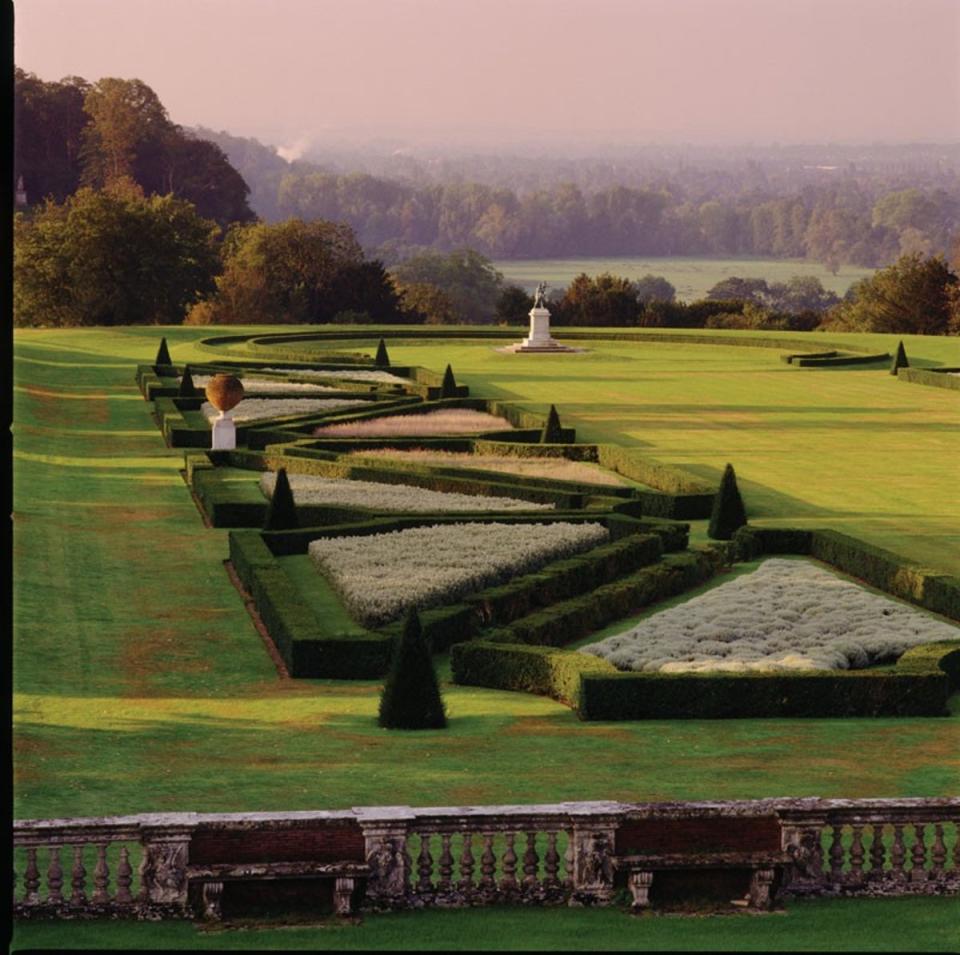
[(449, 387), (281, 511), (551, 430), (383, 359), (411, 697), (163, 354), (900, 360), (728, 510), (187, 388)]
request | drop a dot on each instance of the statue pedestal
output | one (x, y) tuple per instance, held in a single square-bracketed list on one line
[(224, 433), (539, 338)]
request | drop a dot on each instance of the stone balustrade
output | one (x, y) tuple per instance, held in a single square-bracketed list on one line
[(568, 853)]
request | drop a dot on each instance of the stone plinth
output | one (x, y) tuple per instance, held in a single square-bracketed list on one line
[(539, 338), (224, 433)]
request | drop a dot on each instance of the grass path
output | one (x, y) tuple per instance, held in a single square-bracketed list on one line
[(141, 685)]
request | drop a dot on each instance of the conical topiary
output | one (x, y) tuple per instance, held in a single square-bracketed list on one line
[(900, 360), (383, 359), (449, 387), (728, 510), (187, 388), (163, 354), (551, 430), (281, 511), (411, 697)]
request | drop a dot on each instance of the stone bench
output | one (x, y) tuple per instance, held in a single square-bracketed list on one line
[(641, 868), (211, 879)]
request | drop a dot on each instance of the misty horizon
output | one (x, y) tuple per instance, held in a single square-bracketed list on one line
[(493, 75)]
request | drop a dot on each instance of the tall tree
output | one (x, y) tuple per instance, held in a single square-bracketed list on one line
[(112, 258), (465, 277)]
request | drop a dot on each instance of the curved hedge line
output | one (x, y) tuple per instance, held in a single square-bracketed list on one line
[(938, 378)]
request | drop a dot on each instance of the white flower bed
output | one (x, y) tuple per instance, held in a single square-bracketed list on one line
[(358, 375), (266, 386), (380, 576), (786, 615), (444, 421), (560, 469), (252, 409), (309, 489)]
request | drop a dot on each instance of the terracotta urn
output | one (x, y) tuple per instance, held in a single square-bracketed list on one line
[(224, 392)]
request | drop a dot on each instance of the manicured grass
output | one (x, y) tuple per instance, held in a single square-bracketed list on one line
[(141, 684), (692, 277), (864, 925)]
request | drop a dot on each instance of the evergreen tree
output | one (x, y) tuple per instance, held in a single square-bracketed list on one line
[(900, 361), (383, 359), (281, 511), (551, 430), (187, 388), (449, 387), (163, 354), (728, 510), (411, 695)]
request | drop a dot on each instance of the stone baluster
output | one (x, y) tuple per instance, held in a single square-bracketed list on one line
[(878, 853), (898, 854), (836, 854), (956, 849), (466, 864), (54, 876), (568, 861), (551, 862), (446, 864), (488, 864), (124, 877), (212, 896), (78, 877), (531, 862), (918, 870), (425, 865), (857, 855), (101, 876), (31, 878), (938, 856), (343, 888), (508, 882)]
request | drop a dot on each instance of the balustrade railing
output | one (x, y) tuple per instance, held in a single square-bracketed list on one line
[(141, 866)]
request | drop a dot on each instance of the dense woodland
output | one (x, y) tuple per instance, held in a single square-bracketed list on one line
[(129, 218)]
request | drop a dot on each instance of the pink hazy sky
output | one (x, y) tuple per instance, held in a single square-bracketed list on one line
[(629, 71)]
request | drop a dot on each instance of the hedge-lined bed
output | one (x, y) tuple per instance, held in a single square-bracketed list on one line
[(918, 685), (310, 650)]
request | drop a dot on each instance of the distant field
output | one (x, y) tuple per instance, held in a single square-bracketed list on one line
[(691, 277)]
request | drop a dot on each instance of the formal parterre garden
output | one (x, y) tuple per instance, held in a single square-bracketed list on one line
[(190, 635)]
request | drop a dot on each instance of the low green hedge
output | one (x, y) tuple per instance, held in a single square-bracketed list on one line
[(572, 452), (299, 636), (545, 671), (631, 463), (919, 685), (790, 359), (840, 361), (938, 378), (569, 620)]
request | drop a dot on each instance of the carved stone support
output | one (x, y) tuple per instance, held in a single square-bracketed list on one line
[(163, 868), (639, 884), (918, 869), (343, 895), (212, 899), (761, 889), (101, 876), (801, 841), (593, 864), (385, 851)]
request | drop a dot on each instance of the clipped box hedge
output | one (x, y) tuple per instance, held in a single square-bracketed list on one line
[(569, 620), (545, 671), (919, 685), (938, 378), (840, 361), (306, 649)]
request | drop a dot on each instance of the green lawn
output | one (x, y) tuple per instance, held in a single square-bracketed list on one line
[(141, 684), (692, 277)]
